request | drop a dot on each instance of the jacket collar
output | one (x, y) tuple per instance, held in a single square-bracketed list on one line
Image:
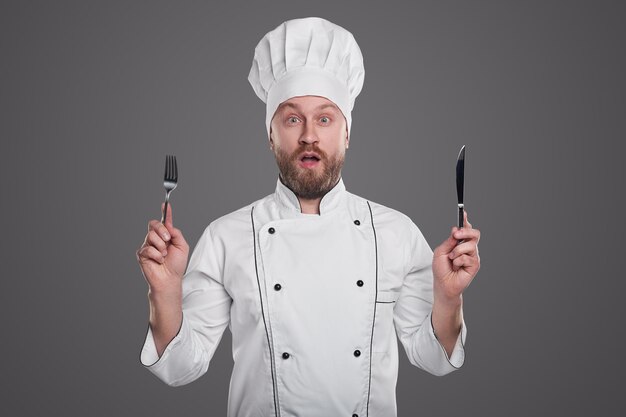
[(330, 201)]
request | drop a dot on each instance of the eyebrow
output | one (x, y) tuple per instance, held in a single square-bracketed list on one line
[(320, 107)]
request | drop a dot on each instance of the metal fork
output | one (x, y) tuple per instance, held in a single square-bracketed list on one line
[(170, 181)]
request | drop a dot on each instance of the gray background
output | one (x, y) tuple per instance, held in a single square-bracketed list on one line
[(94, 94)]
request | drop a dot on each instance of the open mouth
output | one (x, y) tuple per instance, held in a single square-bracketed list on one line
[(309, 159)]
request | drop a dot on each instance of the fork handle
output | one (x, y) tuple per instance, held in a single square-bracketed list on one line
[(164, 214)]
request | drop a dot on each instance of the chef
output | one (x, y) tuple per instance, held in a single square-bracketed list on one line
[(315, 284)]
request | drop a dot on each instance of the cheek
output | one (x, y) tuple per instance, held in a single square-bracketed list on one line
[(289, 147), (285, 149), (337, 151), (340, 142), (286, 138)]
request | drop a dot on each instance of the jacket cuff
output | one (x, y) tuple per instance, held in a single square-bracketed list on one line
[(149, 356), (457, 358)]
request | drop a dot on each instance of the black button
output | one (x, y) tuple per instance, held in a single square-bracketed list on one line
[(355, 415), (359, 283), (277, 287), (285, 355), (357, 353), (271, 230), (357, 222)]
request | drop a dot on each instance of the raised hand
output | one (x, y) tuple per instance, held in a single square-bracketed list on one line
[(163, 255), (456, 264)]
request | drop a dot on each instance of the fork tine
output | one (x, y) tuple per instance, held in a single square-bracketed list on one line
[(171, 169)]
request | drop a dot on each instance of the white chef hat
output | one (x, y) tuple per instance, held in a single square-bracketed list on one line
[(309, 56)]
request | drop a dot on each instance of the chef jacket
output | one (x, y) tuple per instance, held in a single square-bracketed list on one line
[(315, 304)]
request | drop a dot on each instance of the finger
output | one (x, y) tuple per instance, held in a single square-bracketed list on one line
[(160, 229), (168, 219), (178, 239), (157, 241), (466, 234), (150, 252), (176, 236), (447, 245), (468, 248), (466, 223), (464, 261)]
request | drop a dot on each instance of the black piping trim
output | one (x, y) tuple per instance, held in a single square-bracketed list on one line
[(441, 346), (256, 269), (369, 386), (385, 302), (170, 342)]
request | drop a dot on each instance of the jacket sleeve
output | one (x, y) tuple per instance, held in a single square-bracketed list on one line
[(413, 310), (206, 313)]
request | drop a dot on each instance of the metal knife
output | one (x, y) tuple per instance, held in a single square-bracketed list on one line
[(460, 180)]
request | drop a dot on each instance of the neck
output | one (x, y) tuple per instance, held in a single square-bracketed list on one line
[(310, 206)]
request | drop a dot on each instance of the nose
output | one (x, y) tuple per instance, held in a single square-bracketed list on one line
[(309, 135)]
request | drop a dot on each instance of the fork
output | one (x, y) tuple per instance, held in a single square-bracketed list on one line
[(170, 181)]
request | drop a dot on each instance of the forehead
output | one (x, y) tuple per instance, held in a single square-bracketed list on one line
[(307, 103)]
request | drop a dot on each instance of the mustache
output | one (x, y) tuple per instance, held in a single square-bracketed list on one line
[(308, 148)]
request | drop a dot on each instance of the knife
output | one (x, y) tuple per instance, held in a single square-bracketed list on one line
[(460, 180)]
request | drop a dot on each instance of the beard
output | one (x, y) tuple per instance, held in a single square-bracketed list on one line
[(308, 183)]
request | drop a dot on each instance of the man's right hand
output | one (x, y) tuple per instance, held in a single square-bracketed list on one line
[(163, 256)]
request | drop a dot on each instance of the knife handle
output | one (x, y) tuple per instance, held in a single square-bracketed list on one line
[(460, 222)]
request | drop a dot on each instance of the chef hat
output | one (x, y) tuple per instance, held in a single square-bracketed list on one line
[(309, 56)]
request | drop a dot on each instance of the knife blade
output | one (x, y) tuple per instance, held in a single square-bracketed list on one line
[(460, 181)]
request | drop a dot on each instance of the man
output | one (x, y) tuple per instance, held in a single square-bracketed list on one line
[(314, 283)]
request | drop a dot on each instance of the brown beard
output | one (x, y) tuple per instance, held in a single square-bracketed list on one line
[(308, 183)]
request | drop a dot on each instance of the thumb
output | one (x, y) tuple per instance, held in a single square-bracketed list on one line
[(176, 234), (447, 245), (168, 218)]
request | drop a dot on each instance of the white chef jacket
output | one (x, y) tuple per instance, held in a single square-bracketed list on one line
[(315, 304)]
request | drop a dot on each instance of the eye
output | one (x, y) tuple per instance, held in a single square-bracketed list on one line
[(292, 119), (325, 119)]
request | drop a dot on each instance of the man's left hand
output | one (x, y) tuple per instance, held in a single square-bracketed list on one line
[(455, 265)]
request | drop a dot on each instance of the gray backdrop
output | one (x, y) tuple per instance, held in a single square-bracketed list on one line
[(94, 94)]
